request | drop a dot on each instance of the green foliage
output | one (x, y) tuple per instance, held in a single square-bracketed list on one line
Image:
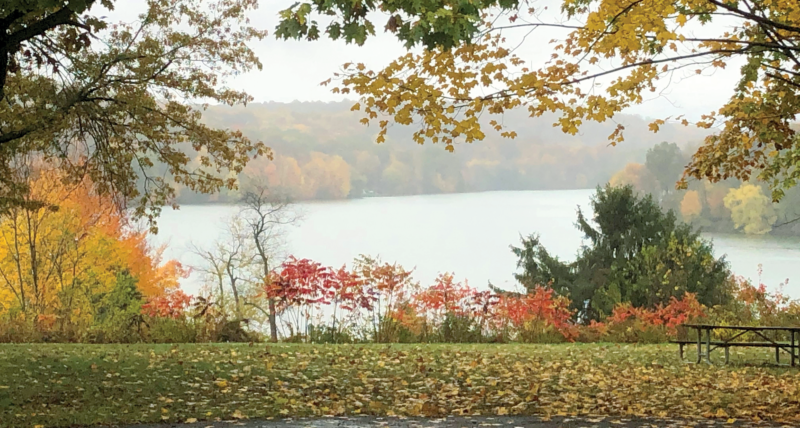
[(328, 334), (170, 330), (459, 329), (666, 162), (636, 331), (535, 266), (429, 23), (635, 253), (118, 316)]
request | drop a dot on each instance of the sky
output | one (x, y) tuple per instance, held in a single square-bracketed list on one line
[(293, 70)]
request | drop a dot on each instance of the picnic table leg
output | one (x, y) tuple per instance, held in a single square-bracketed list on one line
[(777, 355), (727, 355), (680, 350), (708, 346), (699, 345), (792, 349)]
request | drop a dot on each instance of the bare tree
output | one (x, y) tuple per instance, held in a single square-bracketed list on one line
[(229, 263), (265, 215)]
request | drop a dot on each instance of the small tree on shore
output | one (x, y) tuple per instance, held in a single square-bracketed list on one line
[(265, 216)]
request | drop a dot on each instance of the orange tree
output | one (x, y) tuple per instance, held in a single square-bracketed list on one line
[(66, 246), (610, 55)]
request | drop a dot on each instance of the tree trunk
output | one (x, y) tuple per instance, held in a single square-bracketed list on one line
[(273, 319), (273, 322)]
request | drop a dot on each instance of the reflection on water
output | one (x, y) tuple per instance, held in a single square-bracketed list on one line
[(468, 234)]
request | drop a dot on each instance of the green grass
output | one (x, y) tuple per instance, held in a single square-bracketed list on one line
[(69, 385)]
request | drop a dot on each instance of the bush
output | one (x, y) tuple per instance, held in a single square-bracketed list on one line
[(171, 330), (118, 318), (15, 328), (328, 334)]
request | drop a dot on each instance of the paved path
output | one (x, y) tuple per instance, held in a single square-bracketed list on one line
[(470, 422)]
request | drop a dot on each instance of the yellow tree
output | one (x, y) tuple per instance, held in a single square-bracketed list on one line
[(691, 207), (326, 176), (751, 210), (636, 175), (610, 56), (66, 244), (282, 174)]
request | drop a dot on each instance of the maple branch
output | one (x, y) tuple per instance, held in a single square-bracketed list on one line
[(782, 70), (775, 45), (8, 20), (506, 93), (534, 24), (756, 18), (61, 17), (784, 80), (788, 222)]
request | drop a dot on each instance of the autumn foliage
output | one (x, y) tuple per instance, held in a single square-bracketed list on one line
[(378, 302), (373, 301), (172, 305), (62, 251)]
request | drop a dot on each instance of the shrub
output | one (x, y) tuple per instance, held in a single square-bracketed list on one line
[(118, 318), (540, 316), (171, 330), (629, 324)]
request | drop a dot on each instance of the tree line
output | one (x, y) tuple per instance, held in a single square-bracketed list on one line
[(728, 206), (321, 151)]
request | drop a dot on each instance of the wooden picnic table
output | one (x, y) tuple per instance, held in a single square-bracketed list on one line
[(761, 331)]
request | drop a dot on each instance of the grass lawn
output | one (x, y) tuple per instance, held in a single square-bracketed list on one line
[(66, 385)]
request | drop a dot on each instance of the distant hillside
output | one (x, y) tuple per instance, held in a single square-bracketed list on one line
[(323, 152)]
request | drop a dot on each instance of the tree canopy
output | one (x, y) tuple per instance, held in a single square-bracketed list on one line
[(111, 101), (612, 54)]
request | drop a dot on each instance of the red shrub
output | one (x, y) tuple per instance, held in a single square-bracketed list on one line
[(172, 305), (542, 308)]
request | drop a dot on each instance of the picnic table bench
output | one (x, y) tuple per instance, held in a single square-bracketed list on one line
[(761, 332)]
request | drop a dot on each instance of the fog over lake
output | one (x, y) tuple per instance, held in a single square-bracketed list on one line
[(468, 234)]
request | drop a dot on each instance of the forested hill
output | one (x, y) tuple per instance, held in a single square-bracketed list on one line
[(322, 151)]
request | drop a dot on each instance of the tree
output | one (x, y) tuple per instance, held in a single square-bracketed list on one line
[(666, 162), (326, 177), (266, 216), (691, 207), (751, 210), (612, 53), (64, 247), (637, 176), (393, 285), (298, 288), (120, 104), (119, 312), (230, 264), (635, 253)]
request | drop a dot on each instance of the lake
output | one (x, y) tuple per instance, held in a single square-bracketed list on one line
[(467, 234)]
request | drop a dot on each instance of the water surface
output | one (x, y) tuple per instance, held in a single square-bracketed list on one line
[(468, 234)]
